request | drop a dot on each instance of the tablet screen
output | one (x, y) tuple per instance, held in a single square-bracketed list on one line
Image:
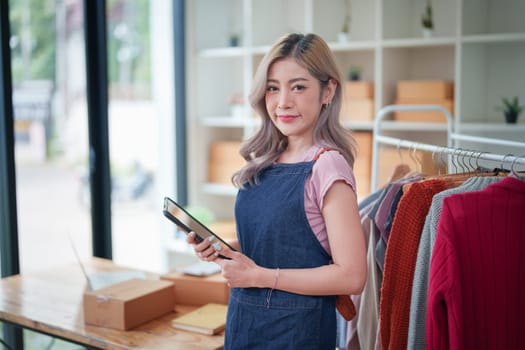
[(186, 222)]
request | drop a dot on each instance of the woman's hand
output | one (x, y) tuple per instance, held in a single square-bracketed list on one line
[(206, 249), (239, 270)]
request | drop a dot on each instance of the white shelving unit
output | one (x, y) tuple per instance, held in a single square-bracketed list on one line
[(477, 44)]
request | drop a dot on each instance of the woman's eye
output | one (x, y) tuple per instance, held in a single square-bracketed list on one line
[(299, 87), (271, 88)]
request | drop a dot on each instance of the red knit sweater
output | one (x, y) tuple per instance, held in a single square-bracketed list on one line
[(477, 270)]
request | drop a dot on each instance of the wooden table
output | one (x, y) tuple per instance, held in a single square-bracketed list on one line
[(50, 302)]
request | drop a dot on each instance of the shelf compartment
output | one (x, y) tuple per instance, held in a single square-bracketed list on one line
[(415, 63), (402, 18), (493, 17), (328, 18), (503, 76), (224, 16)]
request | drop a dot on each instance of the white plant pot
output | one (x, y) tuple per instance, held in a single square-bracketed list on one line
[(427, 33), (343, 37)]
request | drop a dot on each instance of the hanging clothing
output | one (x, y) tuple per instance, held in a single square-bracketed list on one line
[(368, 312), (400, 258), (418, 301), (384, 211), (357, 331), (477, 270)]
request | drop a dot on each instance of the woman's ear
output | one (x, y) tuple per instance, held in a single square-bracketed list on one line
[(329, 91)]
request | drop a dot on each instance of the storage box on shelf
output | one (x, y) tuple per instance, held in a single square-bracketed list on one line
[(423, 89), (224, 160), (424, 92), (358, 102)]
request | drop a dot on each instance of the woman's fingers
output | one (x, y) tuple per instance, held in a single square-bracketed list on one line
[(190, 238), (205, 249)]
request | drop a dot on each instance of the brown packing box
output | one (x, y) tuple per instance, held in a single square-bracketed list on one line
[(196, 290), (224, 160), (128, 304), (358, 110), (435, 89), (436, 116), (358, 90)]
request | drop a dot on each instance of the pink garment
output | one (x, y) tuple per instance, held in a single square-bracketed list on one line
[(329, 168)]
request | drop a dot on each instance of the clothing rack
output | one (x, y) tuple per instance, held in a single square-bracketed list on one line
[(450, 149)]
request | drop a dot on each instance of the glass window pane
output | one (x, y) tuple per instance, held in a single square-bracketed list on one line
[(51, 134), (51, 138), (141, 100)]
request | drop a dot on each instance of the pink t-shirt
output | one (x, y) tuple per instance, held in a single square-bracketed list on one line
[(329, 168)]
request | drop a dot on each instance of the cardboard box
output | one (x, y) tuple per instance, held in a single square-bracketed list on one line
[(224, 160), (424, 116), (358, 110), (358, 90), (128, 304), (436, 89), (193, 290)]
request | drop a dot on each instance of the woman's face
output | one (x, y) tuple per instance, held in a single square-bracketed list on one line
[(294, 98)]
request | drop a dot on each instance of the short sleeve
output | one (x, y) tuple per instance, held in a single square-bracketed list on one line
[(329, 168)]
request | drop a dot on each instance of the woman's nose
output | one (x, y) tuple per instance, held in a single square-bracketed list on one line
[(284, 100)]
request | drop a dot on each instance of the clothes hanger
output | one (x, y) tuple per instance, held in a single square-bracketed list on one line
[(513, 171), (401, 170), (413, 155), (502, 168), (467, 159), (460, 171), (445, 164), (434, 162)]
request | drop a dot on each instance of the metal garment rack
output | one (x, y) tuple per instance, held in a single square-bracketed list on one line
[(379, 138)]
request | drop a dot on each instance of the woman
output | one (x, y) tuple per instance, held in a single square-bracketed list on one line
[(300, 241)]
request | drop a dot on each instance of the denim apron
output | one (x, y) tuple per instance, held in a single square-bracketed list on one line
[(274, 231)]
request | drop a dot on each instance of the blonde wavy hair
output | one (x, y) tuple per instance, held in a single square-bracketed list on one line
[(268, 143)]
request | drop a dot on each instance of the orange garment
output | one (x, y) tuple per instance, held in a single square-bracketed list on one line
[(400, 261)]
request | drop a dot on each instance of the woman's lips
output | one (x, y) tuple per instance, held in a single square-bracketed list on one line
[(286, 118)]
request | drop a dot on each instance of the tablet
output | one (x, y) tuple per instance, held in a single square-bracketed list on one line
[(186, 222)]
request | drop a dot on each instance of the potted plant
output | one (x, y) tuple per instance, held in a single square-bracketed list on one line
[(354, 73), (234, 39), (427, 20), (511, 109)]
